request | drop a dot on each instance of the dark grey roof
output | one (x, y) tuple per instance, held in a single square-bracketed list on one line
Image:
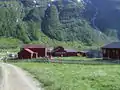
[(112, 45), (33, 46), (84, 51), (70, 50)]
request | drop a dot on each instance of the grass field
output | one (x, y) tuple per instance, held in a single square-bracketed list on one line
[(76, 58), (75, 76)]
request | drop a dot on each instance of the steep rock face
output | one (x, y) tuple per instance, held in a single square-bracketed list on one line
[(105, 14), (76, 21), (35, 3)]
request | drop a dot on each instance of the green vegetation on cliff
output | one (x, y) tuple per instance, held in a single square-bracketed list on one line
[(58, 22)]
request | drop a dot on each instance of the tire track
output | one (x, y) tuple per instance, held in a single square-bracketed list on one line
[(4, 82), (16, 79)]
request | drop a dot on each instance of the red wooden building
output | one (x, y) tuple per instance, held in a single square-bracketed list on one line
[(32, 51), (111, 51), (60, 51)]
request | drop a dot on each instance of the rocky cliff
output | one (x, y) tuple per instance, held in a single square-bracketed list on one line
[(87, 21)]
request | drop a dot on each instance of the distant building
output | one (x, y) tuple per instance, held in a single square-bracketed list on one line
[(91, 53), (60, 51), (111, 51), (32, 51)]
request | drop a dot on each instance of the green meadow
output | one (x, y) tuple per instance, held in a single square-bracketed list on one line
[(76, 58), (74, 76)]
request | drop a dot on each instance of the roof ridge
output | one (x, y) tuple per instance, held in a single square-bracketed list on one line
[(112, 45), (29, 50)]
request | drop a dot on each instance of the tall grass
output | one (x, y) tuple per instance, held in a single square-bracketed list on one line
[(75, 76)]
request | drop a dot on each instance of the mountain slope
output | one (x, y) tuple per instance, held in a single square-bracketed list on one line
[(62, 20), (107, 18)]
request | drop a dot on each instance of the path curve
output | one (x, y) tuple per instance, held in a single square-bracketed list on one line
[(14, 78)]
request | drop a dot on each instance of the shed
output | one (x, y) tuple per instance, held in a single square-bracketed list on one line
[(60, 51), (111, 51), (72, 52), (91, 53), (27, 54), (84, 53), (29, 51)]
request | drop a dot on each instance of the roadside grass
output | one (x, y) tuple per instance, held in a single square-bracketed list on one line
[(76, 58), (9, 43), (74, 76)]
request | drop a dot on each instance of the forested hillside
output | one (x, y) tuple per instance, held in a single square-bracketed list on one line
[(47, 21)]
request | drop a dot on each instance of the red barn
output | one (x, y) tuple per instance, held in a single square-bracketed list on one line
[(32, 51), (111, 51), (60, 51)]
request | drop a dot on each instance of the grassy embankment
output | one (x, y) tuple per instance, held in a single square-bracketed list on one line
[(12, 43), (75, 76)]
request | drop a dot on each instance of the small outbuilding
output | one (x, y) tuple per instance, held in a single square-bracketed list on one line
[(91, 53), (72, 52), (60, 51), (111, 51), (32, 51)]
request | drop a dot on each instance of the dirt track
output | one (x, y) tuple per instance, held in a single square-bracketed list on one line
[(15, 78)]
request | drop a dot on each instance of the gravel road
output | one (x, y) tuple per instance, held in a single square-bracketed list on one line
[(15, 78)]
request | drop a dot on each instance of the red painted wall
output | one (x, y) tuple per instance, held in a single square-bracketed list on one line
[(71, 53), (41, 51), (111, 53), (24, 55), (62, 52)]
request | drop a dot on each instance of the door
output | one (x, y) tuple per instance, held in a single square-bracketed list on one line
[(35, 55)]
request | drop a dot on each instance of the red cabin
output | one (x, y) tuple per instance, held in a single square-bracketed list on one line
[(60, 51), (32, 51), (111, 51)]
